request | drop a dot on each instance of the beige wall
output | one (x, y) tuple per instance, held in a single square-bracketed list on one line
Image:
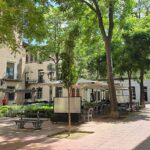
[(32, 69), (6, 55), (45, 93), (22, 68), (18, 58)]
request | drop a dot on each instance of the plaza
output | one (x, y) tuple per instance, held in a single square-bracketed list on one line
[(75, 75), (130, 132)]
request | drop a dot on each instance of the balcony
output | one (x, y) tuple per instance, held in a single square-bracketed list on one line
[(30, 81), (12, 78)]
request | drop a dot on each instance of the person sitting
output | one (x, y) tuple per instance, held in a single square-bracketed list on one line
[(4, 101)]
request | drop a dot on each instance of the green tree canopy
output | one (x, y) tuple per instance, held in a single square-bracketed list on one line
[(22, 19)]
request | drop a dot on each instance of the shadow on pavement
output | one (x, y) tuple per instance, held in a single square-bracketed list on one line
[(130, 117), (145, 145), (20, 144)]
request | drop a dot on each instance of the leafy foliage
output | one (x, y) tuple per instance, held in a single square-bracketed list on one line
[(69, 73), (22, 19), (28, 110)]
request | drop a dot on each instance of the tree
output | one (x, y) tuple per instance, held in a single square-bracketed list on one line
[(22, 19), (125, 64), (142, 8), (133, 57), (88, 47), (53, 46), (101, 9), (69, 74), (96, 67), (141, 36), (140, 43), (56, 35)]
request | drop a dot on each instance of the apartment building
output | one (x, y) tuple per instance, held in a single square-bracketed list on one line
[(12, 83)]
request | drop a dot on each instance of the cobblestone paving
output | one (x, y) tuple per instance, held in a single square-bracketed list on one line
[(132, 132)]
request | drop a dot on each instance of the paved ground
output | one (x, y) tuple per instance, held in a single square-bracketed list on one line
[(128, 133)]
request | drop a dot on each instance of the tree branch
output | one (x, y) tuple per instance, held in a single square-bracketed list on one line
[(88, 4), (52, 59), (100, 19), (111, 23)]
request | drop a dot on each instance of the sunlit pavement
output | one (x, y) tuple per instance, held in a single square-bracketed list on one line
[(128, 133)]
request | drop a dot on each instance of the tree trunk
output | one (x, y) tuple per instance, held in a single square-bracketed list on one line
[(69, 114), (107, 40), (112, 91), (130, 92), (142, 101)]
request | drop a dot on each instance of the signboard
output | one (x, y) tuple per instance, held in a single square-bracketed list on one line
[(61, 105)]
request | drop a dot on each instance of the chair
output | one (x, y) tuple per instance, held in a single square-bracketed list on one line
[(101, 109), (96, 110), (88, 115)]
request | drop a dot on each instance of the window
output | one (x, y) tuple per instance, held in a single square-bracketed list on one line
[(133, 92), (51, 67), (92, 97), (26, 76), (73, 92), (11, 93), (39, 93), (58, 91), (145, 93), (51, 75), (10, 70), (59, 75), (102, 95), (50, 93), (40, 76), (99, 95), (27, 59), (77, 92), (28, 96)]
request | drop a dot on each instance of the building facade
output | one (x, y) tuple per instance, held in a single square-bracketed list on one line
[(12, 67), (136, 90), (24, 79)]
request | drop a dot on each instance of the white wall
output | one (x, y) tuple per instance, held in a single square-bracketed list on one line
[(137, 88), (147, 84)]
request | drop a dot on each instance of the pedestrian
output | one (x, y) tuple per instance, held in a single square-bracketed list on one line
[(4, 101)]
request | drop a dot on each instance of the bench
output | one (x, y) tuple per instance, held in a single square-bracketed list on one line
[(36, 122)]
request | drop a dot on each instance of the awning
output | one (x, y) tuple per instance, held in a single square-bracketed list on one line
[(86, 84)]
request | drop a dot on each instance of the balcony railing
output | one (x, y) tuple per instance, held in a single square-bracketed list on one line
[(12, 77), (41, 80), (29, 81)]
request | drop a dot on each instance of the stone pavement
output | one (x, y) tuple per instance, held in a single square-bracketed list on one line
[(132, 132)]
